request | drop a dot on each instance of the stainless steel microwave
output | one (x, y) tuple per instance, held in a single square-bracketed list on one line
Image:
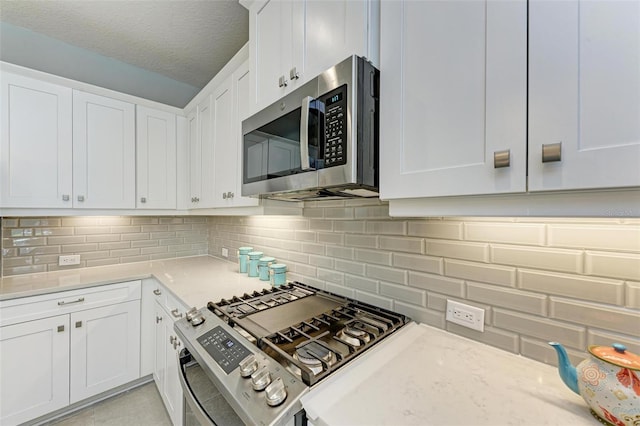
[(318, 142)]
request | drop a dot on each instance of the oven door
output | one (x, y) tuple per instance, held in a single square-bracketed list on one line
[(283, 144), (204, 405)]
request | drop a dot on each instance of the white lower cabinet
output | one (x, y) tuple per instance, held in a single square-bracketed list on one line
[(166, 310), (34, 366), (60, 348), (105, 349)]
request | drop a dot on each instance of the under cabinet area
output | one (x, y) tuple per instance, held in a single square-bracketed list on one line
[(61, 348), (516, 98)]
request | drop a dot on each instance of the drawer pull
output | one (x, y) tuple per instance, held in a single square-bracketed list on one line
[(78, 324), (157, 292), (552, 152), (62, 303), (60, 328), (176, 313)]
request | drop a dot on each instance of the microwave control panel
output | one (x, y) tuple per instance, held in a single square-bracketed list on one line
[(335, 115)]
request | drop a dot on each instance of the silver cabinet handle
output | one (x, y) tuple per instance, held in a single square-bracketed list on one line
[(143, 200), (195, 199), (80, 198), (60, 328), (78, 324), (304, 133), (224, 195), (176, 313), (171, 339), (552, 152), (501, 159), (157, 292), (158, 319), (227, 195), (293, 74), (65, 197), (62, 302), (176, 343), (282, 82)]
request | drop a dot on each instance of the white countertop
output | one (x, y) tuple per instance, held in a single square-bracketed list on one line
[(194, 280), (431, 377), (442, 379)]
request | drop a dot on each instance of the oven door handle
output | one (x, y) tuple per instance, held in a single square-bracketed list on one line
[(189, 397), (304, 133)]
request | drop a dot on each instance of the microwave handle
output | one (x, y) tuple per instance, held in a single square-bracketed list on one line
[(304, 133)]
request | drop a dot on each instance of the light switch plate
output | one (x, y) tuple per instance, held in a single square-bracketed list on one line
[(225, 252), (465, 315)]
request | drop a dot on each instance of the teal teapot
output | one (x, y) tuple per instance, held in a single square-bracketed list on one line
[(609, 382)]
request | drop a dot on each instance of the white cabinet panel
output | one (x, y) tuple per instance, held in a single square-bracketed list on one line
[(34, 366), (454, 89), (105, 349), (103, 152), (35, 143), (584, 78), (225, 145), (155, 159)]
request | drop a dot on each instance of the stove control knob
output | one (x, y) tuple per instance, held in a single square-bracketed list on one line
[(193, 312), (248, 366), (260, 379), (197, 320), (276, 393)]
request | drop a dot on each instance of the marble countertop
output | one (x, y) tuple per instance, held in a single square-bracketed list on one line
[(194, 280), (420, 376), (427, 376)]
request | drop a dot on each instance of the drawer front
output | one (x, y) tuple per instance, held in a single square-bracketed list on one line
[(35, 307)]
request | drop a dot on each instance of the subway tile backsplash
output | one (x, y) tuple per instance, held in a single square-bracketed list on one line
[(34, 244), (576, 281)]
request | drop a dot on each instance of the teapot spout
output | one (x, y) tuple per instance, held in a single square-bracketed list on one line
[(568, 372)]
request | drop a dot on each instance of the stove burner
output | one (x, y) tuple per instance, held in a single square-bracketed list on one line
[(353, 335), (311, 355)]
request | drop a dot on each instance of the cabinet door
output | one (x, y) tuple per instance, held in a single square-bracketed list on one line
[(454, 90), (105, 349), (205, 156), (195, 165), (161, 338), (242, 110), (103, 152), (156, 159), (224, 145), (172, 391), (584, 93), (35, 143), (270, 48), (34, 366), (334, 30)]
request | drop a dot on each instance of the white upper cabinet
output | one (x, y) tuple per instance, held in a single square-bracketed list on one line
[(104, 151), (200, 125), (35, 143), (584, 93), (453, 90), (230, 107), (155, 159), (293, 41), (195, 165)]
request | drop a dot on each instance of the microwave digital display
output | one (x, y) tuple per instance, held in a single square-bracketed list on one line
[(335, 98)]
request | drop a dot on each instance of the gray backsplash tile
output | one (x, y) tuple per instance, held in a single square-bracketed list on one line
[(574, 280)]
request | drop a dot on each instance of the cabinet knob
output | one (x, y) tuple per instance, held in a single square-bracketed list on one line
[(501, 159), (143, 200), (552, 152), (293, 74), (176, 313), (227, 195), (80, 198), (157, 292), (224, 195), (78, 324), (65, 197), (282, 82), (230, 195), (172, 339), (158, 319), (60, 328)]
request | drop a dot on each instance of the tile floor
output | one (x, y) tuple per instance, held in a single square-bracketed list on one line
[(141, 406)]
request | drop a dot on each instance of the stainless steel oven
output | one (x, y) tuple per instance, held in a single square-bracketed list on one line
[(319, 141), (250, 359)]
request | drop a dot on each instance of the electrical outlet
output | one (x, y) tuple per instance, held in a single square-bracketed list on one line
[(225, 252), (465, 315), (68, 260)]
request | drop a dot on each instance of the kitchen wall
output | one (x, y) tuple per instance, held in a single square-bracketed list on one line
[(34, 244), (576, 281)]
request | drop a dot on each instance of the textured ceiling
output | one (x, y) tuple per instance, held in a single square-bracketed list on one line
[(185, 40)]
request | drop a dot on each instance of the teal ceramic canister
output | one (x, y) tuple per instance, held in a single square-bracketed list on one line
[(243, 258), (254, 257), (263, 267), (278, 273)]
